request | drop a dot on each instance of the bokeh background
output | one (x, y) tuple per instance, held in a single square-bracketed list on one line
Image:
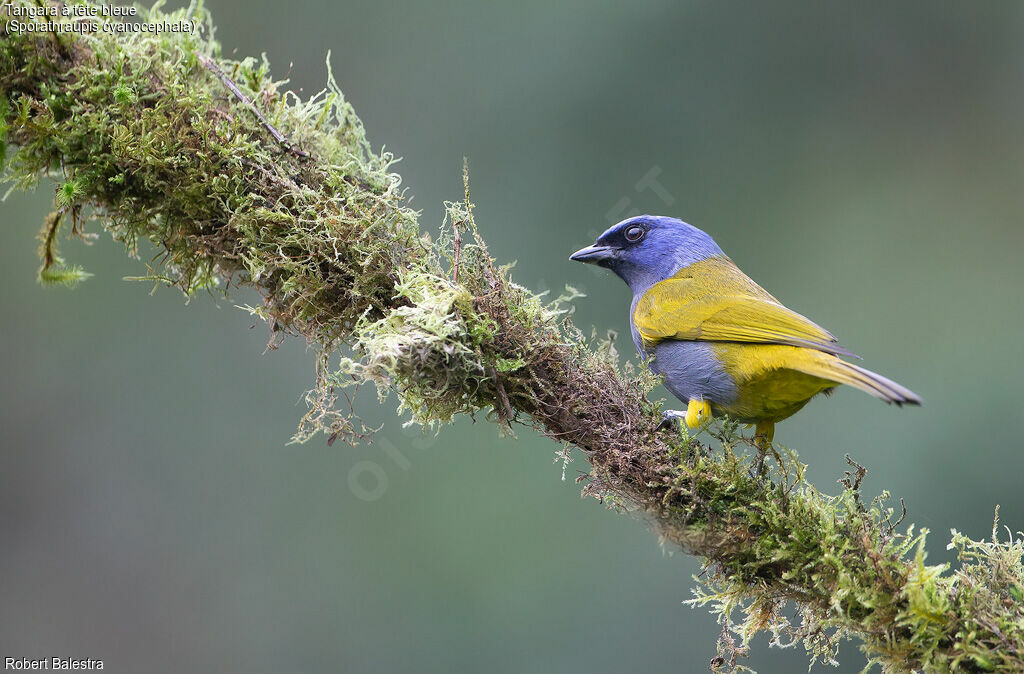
[(862, 161)]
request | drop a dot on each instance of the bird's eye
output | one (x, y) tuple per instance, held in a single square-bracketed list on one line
[(634, 234)]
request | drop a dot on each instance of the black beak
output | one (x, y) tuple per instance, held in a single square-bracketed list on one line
[(593, 254)]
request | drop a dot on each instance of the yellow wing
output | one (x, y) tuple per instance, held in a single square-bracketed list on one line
[(714, 301)]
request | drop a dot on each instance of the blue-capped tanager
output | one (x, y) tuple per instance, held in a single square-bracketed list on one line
[(723, 344)]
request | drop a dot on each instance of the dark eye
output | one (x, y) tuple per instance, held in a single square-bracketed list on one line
[(634, 233)]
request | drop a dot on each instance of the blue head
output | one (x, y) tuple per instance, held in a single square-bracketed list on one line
[(647, 249)]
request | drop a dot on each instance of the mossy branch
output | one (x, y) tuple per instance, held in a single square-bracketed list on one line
[(150, 142)]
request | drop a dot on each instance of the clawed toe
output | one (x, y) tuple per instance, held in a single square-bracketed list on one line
[(670, 419)]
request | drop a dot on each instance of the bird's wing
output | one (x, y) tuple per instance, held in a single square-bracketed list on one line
[(714, 301)]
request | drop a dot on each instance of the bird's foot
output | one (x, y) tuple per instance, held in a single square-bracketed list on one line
[(698, 413), (669, 418)]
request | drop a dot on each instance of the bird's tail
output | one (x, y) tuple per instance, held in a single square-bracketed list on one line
[(838, 370)]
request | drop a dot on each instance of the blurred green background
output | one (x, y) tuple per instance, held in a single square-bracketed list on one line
[(862, 161)]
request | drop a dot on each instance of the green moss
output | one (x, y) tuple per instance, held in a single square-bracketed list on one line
[(60, 275), (508, 364), (68, 193)]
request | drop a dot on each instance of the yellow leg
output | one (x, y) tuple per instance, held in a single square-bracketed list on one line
[(697, 412), (764, 433)]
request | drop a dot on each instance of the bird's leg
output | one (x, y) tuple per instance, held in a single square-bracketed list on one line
[(697, 413), (764, 433)]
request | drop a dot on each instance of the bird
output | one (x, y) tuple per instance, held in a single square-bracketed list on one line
[(722, 343)]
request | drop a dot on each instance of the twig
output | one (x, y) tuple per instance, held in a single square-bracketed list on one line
[(505, 412), (457, 223), (458, 250), (212, 66), (48, 237)]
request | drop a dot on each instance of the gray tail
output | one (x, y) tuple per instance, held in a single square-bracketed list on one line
[(879, 386)]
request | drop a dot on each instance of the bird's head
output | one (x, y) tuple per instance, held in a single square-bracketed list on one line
[(647, 249)]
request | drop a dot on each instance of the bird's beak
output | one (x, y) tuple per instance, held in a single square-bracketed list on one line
[(593, 254)]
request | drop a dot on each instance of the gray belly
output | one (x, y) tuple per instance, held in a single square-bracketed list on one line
[(691, 369)]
